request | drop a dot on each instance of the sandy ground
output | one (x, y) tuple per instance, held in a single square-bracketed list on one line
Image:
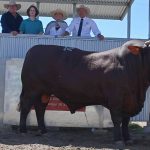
[(68, 139)]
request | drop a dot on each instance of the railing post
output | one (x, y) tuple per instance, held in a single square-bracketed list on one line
[(38, 6), (129, 23), (74, 9), (148, 123), (149, 21)]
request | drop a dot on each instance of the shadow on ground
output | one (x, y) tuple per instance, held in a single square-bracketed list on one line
[(76, 137)]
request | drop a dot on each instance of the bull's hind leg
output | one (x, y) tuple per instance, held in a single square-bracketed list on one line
[(26, 102), (40, 107)]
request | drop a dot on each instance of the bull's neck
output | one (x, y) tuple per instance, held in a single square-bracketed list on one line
[(145, 70)]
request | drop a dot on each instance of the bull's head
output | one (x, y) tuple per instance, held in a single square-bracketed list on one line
[(147, 43), (144, 50), (135, 49)]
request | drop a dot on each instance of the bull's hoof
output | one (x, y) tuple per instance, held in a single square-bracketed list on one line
[(23, 134), (129, 142), (119, 145), (41, 132), (23, 131)]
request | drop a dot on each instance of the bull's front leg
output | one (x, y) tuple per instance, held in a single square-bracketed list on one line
[(117, 120), (125, 130)]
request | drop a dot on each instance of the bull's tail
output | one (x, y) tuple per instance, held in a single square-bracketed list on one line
[(18, 107), (19, 104)]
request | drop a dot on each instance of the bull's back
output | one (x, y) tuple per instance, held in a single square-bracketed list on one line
[(68, 65), (51, 55), (49, 61)]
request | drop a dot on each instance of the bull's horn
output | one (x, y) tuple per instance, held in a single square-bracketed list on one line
[(147, 43)]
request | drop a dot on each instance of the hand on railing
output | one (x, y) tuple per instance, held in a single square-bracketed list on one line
[(65, 33), (100, 37), (14, 33)]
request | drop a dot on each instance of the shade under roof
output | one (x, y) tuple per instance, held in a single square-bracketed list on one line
[(100, 9)]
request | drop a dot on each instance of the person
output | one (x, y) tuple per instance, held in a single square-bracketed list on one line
[(58, 26), (11, 20), (82, 25), (31, 25)]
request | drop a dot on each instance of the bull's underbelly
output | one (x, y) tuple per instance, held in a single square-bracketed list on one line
[(78, 94), (80, 99)]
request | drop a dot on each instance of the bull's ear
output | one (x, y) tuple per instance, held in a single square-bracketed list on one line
[(134, 49)]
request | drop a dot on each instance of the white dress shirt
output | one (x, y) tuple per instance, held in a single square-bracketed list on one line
[(88, 26), (51, 28)]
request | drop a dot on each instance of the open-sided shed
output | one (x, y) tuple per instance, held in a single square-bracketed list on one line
[(100, 9)]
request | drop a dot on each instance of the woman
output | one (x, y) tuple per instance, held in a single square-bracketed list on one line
[(58, 26), (31, 25)]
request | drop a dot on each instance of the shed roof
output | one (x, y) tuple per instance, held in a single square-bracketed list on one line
[(100, 9)]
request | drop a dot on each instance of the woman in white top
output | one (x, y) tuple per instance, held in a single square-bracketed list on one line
[(58, 26)]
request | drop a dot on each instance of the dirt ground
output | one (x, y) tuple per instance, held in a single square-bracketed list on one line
[(68, 139)]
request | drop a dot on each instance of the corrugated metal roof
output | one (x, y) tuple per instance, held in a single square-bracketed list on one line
[(100, 9)]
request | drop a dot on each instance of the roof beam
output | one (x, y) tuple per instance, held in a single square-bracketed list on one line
[(86, 2), (126, 9), (122, 5)]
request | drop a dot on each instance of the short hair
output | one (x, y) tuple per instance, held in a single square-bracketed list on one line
[(36, 10)]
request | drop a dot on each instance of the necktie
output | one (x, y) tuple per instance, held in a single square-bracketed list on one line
[(80, 27), (57, 26)]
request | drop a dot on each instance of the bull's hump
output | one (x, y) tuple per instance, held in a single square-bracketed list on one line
[(101, 60)]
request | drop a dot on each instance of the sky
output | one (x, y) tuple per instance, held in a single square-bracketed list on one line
[(117, 28)]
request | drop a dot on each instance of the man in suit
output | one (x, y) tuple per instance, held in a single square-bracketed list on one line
[(82, 25)]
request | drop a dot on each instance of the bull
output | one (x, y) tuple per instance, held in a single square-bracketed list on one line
[(116, 79)]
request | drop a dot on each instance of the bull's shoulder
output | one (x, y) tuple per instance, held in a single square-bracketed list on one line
[(103, 55)]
